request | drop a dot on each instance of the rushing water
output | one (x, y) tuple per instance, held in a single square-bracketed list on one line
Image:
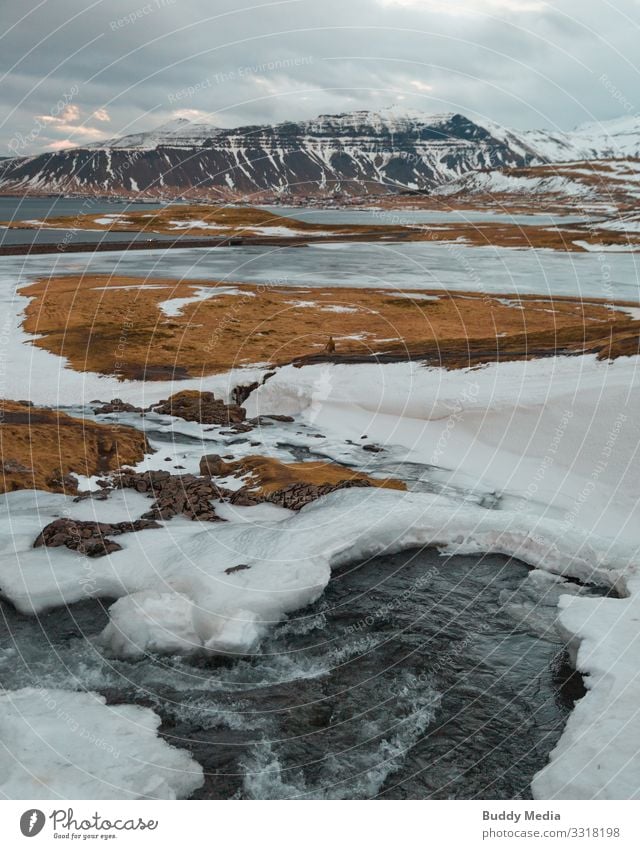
[(412, 677)]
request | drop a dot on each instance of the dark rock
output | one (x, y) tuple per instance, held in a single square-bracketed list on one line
[(267, 420), (12, 467), (294, 496), (202, 407), (90, 538), (66, 483), (278, 418), (174, 495), (100, 495), (243, 498), (212, 464), (239, 394), (375, 449), (239, 568), (117, 405)]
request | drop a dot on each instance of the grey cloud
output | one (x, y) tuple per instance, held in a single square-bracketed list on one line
[(520, 68)]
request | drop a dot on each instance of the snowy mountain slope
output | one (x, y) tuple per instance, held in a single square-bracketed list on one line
[(598, 185), (356, 153), (616, 139)]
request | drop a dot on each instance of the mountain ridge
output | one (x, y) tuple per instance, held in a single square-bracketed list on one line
[(362, 152)]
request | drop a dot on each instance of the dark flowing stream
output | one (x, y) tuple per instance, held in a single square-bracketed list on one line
[(414, 676)]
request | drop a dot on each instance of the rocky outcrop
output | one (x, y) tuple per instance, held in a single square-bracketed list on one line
[(116, 405), (212, 465), (90, 538), (186, 495), (202, 407), (288, 485)]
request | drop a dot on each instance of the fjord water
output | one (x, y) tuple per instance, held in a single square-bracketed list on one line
[(40, 208)]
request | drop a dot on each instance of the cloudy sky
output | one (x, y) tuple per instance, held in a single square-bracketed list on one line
[(79, 71)]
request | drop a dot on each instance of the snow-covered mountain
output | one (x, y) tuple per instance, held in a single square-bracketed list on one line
[(356, 153)]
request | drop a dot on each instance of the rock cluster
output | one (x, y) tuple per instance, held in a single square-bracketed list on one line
[(13, 467), (202, 407), (116, 405), (90, 538), (186, 495)]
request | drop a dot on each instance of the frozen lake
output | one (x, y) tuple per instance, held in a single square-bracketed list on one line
[(419, 216), (414, 265)]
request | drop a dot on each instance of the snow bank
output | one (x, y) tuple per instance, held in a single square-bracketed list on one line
[(66, 745), (174, 306), (553, 437), (177, 595), (598, 756)]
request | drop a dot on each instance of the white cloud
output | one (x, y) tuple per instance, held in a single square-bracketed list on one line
[(420, 86), (69, 124), (192, 115)]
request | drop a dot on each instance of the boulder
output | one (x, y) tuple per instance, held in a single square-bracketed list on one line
[(212, 465), (117, 405), (90, 538), (202, 407)]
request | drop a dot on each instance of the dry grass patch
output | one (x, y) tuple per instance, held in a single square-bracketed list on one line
[(265, 475), (39, 448), (114, 325)]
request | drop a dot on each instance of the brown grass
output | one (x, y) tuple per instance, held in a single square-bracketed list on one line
[(40, 447), (101, 326), (268, 475)]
